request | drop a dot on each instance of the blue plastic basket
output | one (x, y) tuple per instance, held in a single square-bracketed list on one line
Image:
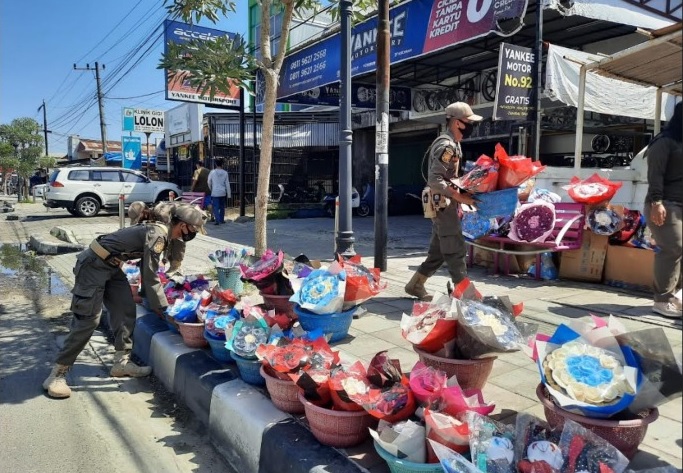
[(218, 350), (397, 465), (337, 325), (229, 278), (250, 370), (497, 203)]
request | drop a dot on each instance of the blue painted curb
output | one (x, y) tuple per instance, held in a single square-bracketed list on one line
[(145, 328)]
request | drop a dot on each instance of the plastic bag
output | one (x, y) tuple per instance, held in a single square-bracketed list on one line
[(492, 444), (322, 292), (404, 440), (431, 325), (456, 401), (548, 268), (185, 310), (246, 336), (544, 195), (514, 170), (475, 226), (347, 381), (483, 177), (446, 430), (451, 462), (536, 446), (593, 190), (584, 451), (361, 283), (427, 383), (533, 222)]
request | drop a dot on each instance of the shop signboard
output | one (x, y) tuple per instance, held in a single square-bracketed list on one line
[(143, 121), (362, 96), (515, 85), (179, 88), (131, 151), (417, 27)]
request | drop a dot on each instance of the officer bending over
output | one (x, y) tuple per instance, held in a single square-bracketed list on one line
[(99, 279)]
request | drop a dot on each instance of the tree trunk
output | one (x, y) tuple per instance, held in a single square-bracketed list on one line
[(266, 159)]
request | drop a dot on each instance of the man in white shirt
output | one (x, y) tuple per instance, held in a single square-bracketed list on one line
[(219, 184)]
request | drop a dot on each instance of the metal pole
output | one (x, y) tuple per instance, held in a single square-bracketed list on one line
[(345, 238), (539, 71), (578, 145), (658, 111), (242, 159), (382, 136), (45, 126), (253, 158), (147, 133), (103, 126)]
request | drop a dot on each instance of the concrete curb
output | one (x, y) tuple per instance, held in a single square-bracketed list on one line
[(244, 426)]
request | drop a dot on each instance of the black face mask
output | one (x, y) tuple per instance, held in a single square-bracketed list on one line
[(188, 236), (467, 131)]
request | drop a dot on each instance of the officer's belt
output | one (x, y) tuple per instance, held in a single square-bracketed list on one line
[(104, 254)]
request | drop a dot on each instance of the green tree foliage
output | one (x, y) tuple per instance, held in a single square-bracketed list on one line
[(212, 66), (21, 147)]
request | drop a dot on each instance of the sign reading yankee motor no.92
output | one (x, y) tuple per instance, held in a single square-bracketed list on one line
[(514, 89), (417, 27)]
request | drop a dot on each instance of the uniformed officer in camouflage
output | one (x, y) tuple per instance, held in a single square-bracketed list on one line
[(100, 280), (447, 243), (175, 253)]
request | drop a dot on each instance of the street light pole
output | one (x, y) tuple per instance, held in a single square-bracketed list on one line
[(344, 235)]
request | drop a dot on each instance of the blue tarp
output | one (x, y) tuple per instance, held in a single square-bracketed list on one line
[(116, 158)]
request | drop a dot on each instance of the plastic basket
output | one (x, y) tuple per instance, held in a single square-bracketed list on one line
[(250, 370), (339, 429), (471, 374), (218, 350), (337, 325), (497, 203), (193, 334), (397, 465), (229, 278), (279, 303)]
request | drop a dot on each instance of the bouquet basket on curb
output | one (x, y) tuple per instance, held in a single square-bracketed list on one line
[(625, 435), (471, 374), (218, 350), (279, 303), (396, 465), (229, 278), (497, 203), (250, 370), (337, 324), (338, 428), (284, 393), (193, 334)]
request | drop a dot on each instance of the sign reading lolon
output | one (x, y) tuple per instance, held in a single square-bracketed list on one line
[(143, 121)]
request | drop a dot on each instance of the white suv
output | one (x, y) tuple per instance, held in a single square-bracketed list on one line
[(83, 191)]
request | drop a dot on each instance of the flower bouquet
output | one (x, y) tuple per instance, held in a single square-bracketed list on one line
[(361, 283), (483, 177), (533, 222), (266, 274), (593, 190), (431, 325), (514, 170)]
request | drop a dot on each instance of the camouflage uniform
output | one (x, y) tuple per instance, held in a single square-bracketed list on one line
[(162, 212), (99, 279), (447, 243)]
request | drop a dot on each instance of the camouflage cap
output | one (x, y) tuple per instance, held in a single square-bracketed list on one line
[(135, 211), (192, 215)]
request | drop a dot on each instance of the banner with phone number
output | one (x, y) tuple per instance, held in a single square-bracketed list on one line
[(417, 27)]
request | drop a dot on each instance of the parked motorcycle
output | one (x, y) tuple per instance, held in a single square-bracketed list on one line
[(330, 207)]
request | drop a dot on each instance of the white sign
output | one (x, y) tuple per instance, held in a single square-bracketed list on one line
[(143, 121)]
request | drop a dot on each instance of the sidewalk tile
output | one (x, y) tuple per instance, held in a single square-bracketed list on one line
[(363, 345), (373, 323)]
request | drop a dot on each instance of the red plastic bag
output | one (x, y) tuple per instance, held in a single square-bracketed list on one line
[(514, 170), (448, 431), (457, 401), (594, 190), (361, 283), (482, 178)]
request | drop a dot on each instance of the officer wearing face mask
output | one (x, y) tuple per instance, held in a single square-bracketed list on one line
[(138, 212), (100, 280), (447, 243)]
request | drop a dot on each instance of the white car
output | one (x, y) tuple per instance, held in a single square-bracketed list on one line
[(84, 190)]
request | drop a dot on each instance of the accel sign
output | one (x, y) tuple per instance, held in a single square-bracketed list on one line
[(143, 121)]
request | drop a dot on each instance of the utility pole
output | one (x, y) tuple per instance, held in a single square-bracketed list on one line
[(44, 125), (344, 235), (382, 135), (103, 126)]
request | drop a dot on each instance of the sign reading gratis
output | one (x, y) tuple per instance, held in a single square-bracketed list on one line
[(515, 87), (143, 121), (131, 152), (417, 28)]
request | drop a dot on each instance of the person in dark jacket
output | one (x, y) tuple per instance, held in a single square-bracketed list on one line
[(100, 280), (663, 205)]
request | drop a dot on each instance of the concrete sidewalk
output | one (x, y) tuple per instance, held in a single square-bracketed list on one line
[(514, 378)]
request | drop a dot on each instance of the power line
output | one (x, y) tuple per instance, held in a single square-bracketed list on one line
[(136, 96)]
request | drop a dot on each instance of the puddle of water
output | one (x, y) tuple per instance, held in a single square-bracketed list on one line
[(17, 262)]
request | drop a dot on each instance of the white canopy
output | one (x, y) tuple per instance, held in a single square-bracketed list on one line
[(626, 12)]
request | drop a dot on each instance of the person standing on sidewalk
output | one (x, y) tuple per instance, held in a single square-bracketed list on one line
[(200, 183), (100, 280), (663, 204), (219, 184), (447, 242)]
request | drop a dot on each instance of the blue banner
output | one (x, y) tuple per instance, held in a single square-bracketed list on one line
[(131, 149), (417, 27), (363, 96)]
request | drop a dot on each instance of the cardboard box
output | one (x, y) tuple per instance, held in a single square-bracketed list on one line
[(630, 267), (586, 263), (485, 258)]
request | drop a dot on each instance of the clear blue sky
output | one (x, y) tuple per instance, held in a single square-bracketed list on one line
[(42, 39)]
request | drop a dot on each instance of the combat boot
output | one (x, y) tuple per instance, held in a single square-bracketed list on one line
[(416, 287), (174, 269), (55, 384), (124, 367)]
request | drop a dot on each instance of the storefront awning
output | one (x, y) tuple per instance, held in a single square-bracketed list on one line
[(642, 14)]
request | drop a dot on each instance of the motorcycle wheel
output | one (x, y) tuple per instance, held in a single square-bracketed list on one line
[(363, 209)]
